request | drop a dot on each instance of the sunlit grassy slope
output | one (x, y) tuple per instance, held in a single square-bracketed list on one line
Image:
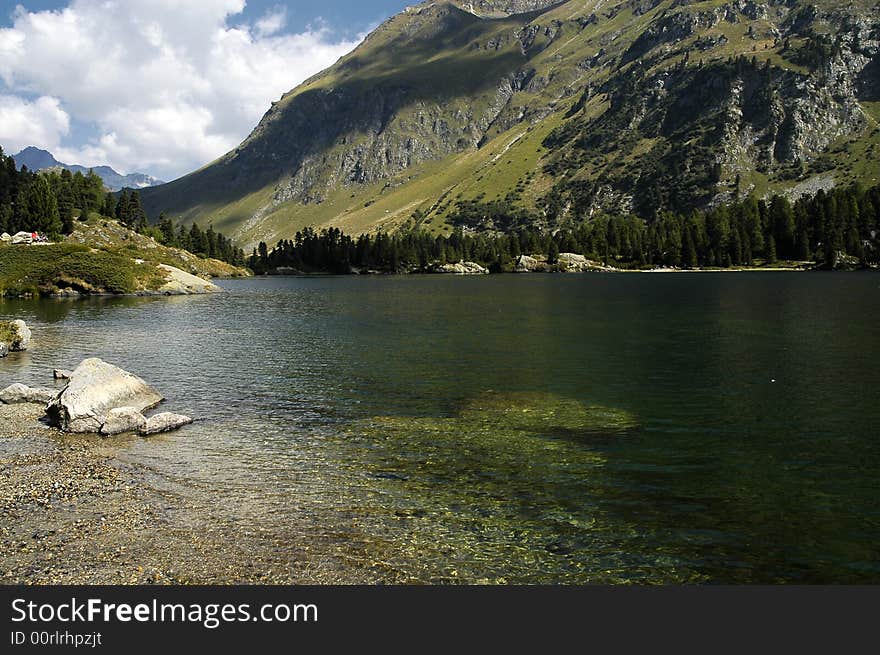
[(439, 105)]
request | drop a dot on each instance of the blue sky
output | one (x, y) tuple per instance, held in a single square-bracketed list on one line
[(161, 86)]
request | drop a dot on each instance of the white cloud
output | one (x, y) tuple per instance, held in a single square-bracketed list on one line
[(169, 85), (24, 122), (272, 22)]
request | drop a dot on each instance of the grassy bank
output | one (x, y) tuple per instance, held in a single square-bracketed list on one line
[(100, 257), (42, 270)]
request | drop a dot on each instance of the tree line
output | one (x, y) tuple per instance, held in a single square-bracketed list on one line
[(842, 223), (50, 202), (46, 202)]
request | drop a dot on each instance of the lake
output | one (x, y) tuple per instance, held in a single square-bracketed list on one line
[(626, 428)]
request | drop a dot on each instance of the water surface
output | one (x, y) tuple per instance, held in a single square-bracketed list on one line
[(434, 429)]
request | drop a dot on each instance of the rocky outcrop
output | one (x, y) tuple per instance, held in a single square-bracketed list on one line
[(527, 264), (164, 422), (461, 268), (94, 389), (181, 283), (15, 335), (500, 8), (16, 394), (123, 420), (569, 262)]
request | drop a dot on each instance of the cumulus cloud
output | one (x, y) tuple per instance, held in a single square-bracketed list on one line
[(24, 122), (169, 85)]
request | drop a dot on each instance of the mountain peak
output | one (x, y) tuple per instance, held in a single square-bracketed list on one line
[(37, 159), (553, 112)]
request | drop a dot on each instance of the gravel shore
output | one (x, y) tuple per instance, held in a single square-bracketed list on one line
[(72, 511)]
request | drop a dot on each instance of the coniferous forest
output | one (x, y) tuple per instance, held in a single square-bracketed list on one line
[(50, 202), (828, 228)]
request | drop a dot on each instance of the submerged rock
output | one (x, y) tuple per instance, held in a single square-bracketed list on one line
[(509, 426), (95, 388), (164, 422), (544, 412), (16, 394), (122, 420)]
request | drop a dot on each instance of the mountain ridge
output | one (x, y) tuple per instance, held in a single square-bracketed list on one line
[(573, 108), (37, 159)]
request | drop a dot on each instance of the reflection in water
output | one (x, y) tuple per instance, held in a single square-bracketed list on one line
[(641, 428)]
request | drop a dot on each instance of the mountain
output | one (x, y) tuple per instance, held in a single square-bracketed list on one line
[(554, 111), (40, 160)]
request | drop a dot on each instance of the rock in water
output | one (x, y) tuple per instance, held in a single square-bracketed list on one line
[(61, 374), (164, 423), (122, 420), (94, 389), (21, 336), (16, 394), (183, 283), (4, 350)]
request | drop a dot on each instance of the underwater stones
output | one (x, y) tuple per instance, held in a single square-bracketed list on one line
[(535, 411)]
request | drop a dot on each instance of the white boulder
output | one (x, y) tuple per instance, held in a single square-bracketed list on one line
[(181, 283), (462, 268), (16, 394), (164, 423), (122, 420), (95, 388)]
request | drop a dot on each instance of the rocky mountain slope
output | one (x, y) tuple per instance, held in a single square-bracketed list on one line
[(558, 110), (41, 160)]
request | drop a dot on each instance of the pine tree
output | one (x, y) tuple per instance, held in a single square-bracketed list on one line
[(803, 246), (43, 208)]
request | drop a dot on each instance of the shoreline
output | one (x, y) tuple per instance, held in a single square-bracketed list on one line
[(759, 269), (75, 510), (627, 271)]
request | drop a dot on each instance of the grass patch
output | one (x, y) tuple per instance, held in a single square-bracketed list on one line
[(8, 334), (42, 270)]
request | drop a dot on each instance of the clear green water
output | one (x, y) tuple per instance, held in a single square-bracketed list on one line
[(602, 428)]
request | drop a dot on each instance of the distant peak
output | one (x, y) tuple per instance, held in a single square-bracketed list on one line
[(34, 149), (40, 160)]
